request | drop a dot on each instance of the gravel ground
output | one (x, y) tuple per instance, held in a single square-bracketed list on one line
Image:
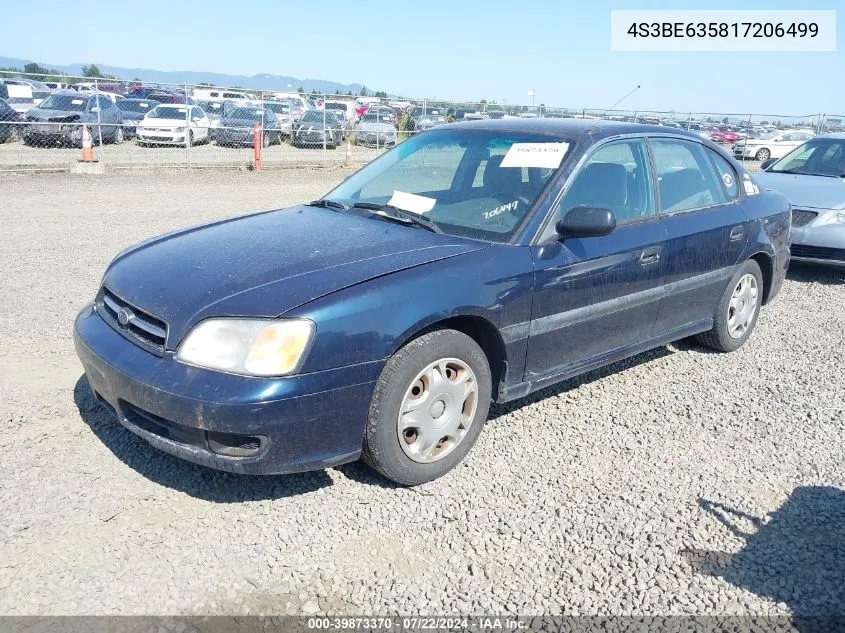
[(679, 481)]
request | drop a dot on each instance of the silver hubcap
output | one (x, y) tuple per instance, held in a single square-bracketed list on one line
[(437, 410), (743, 306)]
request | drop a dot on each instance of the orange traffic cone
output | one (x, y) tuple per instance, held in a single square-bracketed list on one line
[(87, 152)]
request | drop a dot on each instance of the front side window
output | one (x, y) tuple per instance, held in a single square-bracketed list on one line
[(437, 174), (685, 175), (616, 177)]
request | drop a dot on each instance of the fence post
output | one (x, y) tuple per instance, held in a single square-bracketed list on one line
[(187, 129), (99, 127)]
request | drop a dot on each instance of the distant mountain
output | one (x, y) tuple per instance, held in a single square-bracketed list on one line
[(262, 81)]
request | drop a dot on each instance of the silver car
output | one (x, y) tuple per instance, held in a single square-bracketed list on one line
[(812, 176), (376, 130)]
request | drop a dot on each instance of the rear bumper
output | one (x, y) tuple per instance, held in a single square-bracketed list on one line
[(279, 425)]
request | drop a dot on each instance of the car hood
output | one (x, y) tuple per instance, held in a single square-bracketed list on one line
[(376, 127), (313, 125), (155, 122), (242, 123), (40, 114), (132, 116), (266, 264), (810, 192)]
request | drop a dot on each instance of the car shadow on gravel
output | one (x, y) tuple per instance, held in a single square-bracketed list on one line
[(500, 410), (795, 557), (808, 273), (172, 472)]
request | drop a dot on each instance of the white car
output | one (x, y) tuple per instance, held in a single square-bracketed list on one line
[(771, 145), (172, 124)]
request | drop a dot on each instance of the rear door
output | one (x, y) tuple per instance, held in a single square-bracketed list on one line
[(698, 192), (594, 296)]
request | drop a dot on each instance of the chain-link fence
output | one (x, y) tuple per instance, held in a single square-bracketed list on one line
[(45, 122)]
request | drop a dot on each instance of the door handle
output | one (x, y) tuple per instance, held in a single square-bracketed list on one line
[(650, 256), (736, 233)]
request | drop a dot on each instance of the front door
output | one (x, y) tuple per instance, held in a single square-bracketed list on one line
[(594, 296)]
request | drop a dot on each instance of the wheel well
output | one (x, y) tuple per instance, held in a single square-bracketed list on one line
[(488, 338), (767, 268)]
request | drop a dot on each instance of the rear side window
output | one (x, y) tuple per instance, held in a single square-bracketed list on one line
[(726, 174), (686, 176), (616, 177)]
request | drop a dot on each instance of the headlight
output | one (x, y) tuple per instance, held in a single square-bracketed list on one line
[(254, 347)]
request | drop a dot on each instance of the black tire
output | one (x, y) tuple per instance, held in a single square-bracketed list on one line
[(381, 449), (719, 337), (190, 139), (265, 140), (762, 154)]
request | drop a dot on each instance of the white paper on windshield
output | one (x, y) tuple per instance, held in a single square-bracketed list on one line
[(77, 101), (411, 202), (547, 155)]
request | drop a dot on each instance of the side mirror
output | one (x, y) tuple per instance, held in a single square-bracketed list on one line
[(586, 222), (95, 109), (767, 163)]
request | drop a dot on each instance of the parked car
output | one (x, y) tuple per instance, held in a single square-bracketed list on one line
[(133, 111), (8, 121), (57, 85), (812, 176), (142, 92), (220, 95), (60, 117), (316, 128), (39, 90), (376, 130), (424, 118), (284, 115), (478, 261), (771, 145), (347, 107), (299, 104), (173, 124), (237, 127), (19, 97), (339, 122), (171, 97)]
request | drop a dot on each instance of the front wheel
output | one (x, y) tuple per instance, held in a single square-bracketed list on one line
[(428, 407), (737, 312), (118, 136)]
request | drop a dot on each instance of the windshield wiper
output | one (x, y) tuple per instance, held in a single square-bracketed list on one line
[(803, 173), (389, 212), (325, 203)]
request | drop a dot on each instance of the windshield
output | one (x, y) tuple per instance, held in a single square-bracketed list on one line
[(376, 118), (136, 106), (315, 116), (426, 112), (167, 113), (819, 157), (245, 113), (473, 183), (67, 103), (278, 108)]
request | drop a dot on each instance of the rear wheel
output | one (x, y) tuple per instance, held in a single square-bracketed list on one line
[(737, 312), (118, 136), (428, 407), (762, 154)]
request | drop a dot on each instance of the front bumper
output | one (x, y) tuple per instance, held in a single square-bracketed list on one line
[(231, 137), (287, 425), (160, 137), (820, 241)]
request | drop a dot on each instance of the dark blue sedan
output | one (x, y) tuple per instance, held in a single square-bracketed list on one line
[(476, 262)]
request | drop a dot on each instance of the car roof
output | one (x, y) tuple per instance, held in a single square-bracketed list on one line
[(72, 93), (570, 128), (834, 135)]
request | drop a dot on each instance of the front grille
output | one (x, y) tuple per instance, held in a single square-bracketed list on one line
[(817, 252), (801, 217), (138, 326)]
